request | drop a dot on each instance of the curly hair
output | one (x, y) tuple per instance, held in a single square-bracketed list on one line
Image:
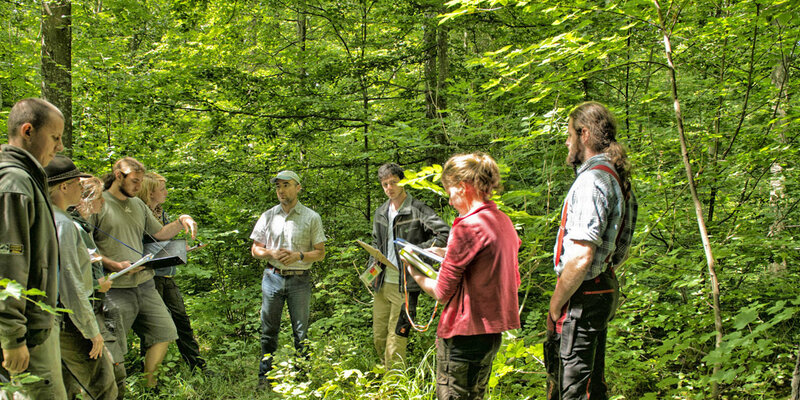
[(478, 169)]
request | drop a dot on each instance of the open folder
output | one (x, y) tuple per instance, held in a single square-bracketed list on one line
[(166, 254)]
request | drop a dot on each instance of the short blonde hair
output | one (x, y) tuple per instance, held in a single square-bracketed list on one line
[(478, 169), (150, 184)]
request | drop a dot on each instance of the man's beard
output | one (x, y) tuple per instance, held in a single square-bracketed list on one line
[(575, 159), (126, 192)]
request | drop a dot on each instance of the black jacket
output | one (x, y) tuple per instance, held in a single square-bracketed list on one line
[(416, 223)]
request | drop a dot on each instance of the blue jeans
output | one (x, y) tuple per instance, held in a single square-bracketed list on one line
[(295, 290)]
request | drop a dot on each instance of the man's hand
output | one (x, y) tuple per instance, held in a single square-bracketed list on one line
[(554, 311), (105, 284), (286, 256), (97, 347), (189, 226), (114, 266), (16, 360)]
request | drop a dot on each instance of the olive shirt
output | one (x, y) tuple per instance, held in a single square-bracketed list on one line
[(124, 221), (76, 283)]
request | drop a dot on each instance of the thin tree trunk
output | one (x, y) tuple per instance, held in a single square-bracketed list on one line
[(365, 106), (57, 61), (796, 378), (435, 40), (693, 190)]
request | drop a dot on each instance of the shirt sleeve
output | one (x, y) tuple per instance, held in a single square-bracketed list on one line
[(151, 224), (317, 233), (587, 212), (465, 243), (15, 253), (258, 233), (72, 292)]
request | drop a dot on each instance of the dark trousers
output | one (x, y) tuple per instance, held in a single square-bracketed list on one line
[(173, 299), (463, 365), (575, 353), (81, 372)]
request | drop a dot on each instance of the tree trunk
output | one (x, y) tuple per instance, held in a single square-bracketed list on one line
[(365, 106), (57, 61), (437, 68), (698, 207)]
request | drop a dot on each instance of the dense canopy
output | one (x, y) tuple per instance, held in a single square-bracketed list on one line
[(219, 96)]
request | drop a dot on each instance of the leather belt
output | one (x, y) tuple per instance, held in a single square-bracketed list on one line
[(289, 272)]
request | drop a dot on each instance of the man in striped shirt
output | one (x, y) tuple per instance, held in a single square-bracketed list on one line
[(597, 223)]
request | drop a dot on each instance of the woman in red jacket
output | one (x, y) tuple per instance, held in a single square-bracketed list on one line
[(477, 282)]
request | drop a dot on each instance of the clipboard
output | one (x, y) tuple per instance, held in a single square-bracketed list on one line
[(139, 262), (166, 254), (376, 254)]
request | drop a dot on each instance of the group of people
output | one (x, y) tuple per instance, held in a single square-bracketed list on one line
[(477, 282), (62, 232), (478, 279)]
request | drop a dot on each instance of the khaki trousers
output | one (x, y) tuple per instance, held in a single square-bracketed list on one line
[(385, 311)]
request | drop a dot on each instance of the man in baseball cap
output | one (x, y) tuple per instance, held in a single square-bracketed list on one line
[(290, 238)]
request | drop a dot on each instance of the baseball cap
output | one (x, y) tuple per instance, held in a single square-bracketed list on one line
[(62, 169), (285, 175)]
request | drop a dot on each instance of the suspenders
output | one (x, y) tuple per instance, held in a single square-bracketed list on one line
[(562, 228)]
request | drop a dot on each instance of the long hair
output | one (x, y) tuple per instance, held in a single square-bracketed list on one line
[(478, 169), (602, 129)]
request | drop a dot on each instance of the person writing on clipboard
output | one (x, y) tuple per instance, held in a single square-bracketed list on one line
[(119, 228)]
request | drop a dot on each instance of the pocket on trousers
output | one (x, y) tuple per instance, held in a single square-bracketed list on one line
[(452, 379), (569, 327)]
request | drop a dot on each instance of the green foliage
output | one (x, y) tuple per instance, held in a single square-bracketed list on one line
[(218, 96)]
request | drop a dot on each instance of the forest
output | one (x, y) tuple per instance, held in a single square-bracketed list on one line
[(218, 96)]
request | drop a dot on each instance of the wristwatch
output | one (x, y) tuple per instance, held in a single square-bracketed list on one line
[(302, 256)]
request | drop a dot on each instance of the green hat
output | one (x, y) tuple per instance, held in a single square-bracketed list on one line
[(286, 175)]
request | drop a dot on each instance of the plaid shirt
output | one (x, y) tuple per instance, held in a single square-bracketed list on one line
[(298, 230), (596, 211)]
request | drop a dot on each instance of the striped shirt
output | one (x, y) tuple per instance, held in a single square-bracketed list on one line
[(596, 212), (298, 230)]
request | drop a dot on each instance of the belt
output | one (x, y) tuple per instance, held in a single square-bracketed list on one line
[(288, 272)]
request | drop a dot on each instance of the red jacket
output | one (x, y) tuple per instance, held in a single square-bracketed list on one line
[(479, 277)]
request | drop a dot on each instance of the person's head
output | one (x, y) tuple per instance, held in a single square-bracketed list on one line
[(287, 186), (154, 190), (390, 174), (470, 176), (63, 179), (128, 175), (91, 196), (593, 130), (36, 126)]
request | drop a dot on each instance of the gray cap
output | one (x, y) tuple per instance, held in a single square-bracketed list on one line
[(286, 175)]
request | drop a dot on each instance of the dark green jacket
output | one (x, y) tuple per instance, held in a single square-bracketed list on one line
[(416, 223), (28, 248)]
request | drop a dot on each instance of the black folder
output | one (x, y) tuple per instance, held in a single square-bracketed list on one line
[(166, 254)]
